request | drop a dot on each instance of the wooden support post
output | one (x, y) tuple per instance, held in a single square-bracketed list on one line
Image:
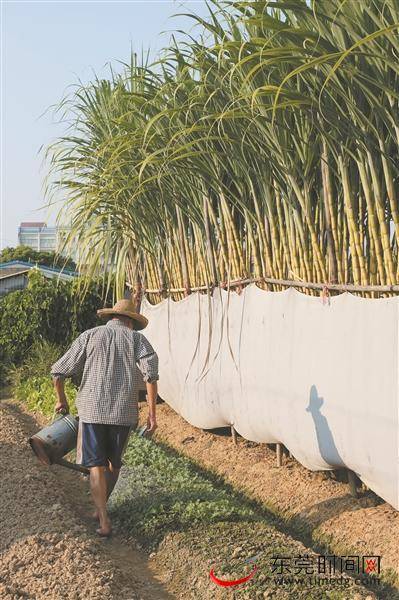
[(352, 483), (279, 454), (137, 293), (234, 435)]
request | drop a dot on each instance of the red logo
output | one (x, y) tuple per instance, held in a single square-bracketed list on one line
[(371, 565), (230, 582)]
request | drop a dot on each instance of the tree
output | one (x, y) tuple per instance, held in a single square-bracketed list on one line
[(27, 254)]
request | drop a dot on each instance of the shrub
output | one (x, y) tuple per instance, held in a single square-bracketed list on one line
[(39, 396), (38, 362), (46, 311), (31, 381)]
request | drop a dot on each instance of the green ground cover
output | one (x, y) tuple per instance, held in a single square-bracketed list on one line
[(38, 394), (194, 521)]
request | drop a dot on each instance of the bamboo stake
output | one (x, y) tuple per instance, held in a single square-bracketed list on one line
[(338, 287), (233, 435), (279, 455), (137, 294), (352, 483)]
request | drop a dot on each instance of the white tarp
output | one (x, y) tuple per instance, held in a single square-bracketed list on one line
[(321, 378)]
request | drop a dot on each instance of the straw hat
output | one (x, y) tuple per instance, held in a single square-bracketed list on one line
[(127, 309)]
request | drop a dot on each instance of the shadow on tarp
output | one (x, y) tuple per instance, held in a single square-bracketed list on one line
[(325, 439)]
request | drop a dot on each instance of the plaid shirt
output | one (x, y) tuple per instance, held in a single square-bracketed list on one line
[(108, 355)]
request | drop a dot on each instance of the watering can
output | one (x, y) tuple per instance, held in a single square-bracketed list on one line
[(53, 442)]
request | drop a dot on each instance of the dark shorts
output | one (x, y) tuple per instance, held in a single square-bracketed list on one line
[(100, 444)]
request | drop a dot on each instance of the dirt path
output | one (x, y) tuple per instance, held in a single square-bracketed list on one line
[(48, 545), (310, 502)]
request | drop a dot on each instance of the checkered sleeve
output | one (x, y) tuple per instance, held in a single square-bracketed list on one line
[(73, 361), (146, 358)]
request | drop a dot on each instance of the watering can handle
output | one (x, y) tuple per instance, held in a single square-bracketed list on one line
[(60, 413)]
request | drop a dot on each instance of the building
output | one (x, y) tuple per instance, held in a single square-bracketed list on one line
[(14, 275), (40, 237)]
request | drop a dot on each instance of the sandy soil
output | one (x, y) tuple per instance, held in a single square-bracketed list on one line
[(48, 545), (313, 503)]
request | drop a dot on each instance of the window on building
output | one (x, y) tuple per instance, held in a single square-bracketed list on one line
[(47, 244), (29, 241)]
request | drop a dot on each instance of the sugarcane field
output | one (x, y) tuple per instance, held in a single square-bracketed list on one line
[(199, 300)]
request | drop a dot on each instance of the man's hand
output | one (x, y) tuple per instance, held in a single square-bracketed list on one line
[(151, 425), (62, 407)]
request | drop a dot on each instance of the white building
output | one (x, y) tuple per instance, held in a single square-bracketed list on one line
[(40, 237)]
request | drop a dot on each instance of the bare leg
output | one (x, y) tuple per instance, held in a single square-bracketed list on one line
[(112, 475), (112, 478), (98, 484)]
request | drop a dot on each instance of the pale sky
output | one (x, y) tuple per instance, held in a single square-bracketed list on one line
[(47, 46)]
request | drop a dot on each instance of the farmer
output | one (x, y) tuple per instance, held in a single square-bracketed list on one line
[(107, 397)]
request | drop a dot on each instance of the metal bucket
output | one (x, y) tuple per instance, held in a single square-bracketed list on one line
[(55, 441)]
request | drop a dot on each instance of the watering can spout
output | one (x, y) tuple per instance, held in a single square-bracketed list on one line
[(73, 466), (53, 442)]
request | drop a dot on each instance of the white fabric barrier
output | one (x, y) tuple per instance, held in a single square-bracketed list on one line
[(283, 367)]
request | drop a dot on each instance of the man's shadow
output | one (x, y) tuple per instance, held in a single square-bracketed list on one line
[(325, 440)]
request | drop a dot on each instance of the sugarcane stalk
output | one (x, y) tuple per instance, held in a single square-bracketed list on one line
[(384, 228), (314, 242), (331, 226), (372, 222), (183, 251), (392, 195), (358, 266), (209, 243)]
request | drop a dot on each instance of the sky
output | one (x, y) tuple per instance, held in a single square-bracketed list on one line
[(46, 47)]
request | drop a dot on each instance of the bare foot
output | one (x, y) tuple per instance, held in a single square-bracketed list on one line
[(105, 530)]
